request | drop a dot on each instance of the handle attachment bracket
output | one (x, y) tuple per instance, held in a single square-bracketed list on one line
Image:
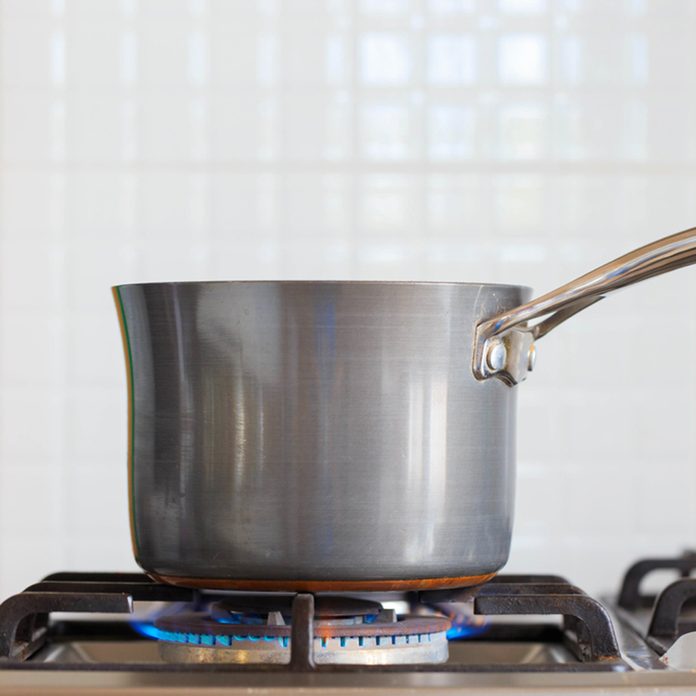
[(504, 345)]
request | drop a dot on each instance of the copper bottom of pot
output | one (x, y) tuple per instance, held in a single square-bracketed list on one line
[(323, 585)]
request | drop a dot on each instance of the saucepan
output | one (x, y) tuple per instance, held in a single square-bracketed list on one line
[(336, 435)]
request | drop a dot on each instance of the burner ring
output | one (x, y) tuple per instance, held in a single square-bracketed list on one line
[(397, 650), (200, 624)]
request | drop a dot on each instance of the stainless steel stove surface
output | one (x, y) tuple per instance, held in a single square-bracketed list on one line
[(123, 633)]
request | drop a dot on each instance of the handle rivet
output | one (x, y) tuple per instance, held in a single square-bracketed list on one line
[(496, 355), (531, 358)]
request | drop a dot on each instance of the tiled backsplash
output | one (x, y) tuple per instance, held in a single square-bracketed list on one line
[(520, 141)]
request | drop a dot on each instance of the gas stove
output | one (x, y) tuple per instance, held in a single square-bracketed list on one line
[(125, 633)]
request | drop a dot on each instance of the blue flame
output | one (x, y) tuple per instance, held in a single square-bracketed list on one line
[(149, 630), (146, 629), (463, 627)]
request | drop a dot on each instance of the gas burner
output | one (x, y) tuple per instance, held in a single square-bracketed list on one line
[(256, 629)]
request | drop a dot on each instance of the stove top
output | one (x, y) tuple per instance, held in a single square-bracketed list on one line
[(517, 631)]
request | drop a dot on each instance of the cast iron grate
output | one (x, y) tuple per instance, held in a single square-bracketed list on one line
[(667, 621), (630, 596), (586, 629)]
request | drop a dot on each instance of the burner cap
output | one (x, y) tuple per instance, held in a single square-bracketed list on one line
[(325, 606)]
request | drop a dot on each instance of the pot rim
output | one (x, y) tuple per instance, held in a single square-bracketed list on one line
[(363, 283)]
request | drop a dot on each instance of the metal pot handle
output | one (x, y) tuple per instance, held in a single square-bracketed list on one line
[(504, 344)]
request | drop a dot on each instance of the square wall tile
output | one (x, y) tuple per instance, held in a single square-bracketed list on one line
[(243, 54), (387, 204), (31, 274), (33, 126), (102, 39), (31, 54), (31, 497), (387, 130), (32, 205), (243, 202), (31, 350), (172, 127), (101, 204), (172, 206), (94, 130), (302, 55), (167, 51), (243, 127), (314, 127), (31, 426)]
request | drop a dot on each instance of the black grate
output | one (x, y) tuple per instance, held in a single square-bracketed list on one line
[(671, 614), (631, 597)]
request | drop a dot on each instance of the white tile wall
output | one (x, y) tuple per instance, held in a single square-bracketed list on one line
[(500, 140)]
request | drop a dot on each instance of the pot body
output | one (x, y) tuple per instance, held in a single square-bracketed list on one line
[(317, 435)]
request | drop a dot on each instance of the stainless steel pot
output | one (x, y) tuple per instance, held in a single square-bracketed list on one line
[(336, 435)]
